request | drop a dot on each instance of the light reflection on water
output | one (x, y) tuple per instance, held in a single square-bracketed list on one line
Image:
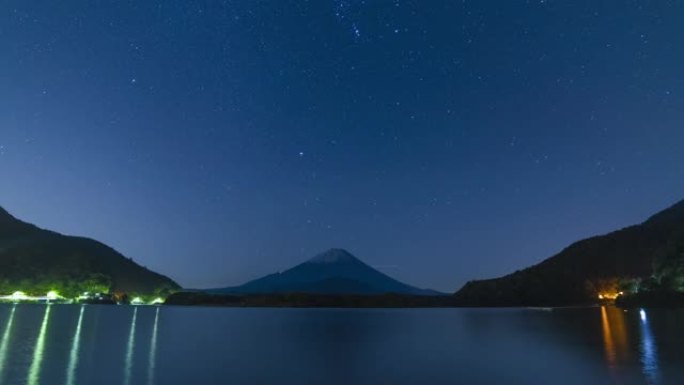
[(129, 349), (34, 370), (616, 341), (73, 356), (615, 338), (153, 350), (607, 337), (649, 352), (115, 345), (5, 342)]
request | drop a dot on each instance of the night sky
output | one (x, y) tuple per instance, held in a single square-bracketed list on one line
[(439, 141)]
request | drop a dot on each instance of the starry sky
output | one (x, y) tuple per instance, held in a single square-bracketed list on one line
[(439, 141)]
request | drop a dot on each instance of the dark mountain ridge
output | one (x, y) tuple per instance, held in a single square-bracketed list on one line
[(36, 261), (579, 273), (335, 271)]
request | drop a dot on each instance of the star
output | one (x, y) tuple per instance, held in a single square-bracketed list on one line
[(357, 32)]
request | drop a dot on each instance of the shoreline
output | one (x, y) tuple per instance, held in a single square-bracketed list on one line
[(342, 301)]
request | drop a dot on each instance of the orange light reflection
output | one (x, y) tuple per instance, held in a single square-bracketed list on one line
[(615, 340)]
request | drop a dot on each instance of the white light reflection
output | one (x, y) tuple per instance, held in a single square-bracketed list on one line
[(4, 343), (129, 350), (153, 351), (75, 345), (649, 353), (34, 370)]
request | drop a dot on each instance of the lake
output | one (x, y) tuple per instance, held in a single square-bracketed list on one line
[(85, 345)]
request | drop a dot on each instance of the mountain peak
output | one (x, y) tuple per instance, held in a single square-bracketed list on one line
[(334, 256), (335, 271)]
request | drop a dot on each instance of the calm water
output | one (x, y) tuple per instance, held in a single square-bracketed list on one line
[(64, 344)]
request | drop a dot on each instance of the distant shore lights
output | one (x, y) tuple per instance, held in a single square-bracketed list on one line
[(53, 296), (611, 296), (20, 296)]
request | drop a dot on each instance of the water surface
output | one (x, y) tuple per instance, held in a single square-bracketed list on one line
[(85, 345)]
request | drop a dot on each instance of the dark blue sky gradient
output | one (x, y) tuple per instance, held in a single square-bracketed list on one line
[(440, 141)]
